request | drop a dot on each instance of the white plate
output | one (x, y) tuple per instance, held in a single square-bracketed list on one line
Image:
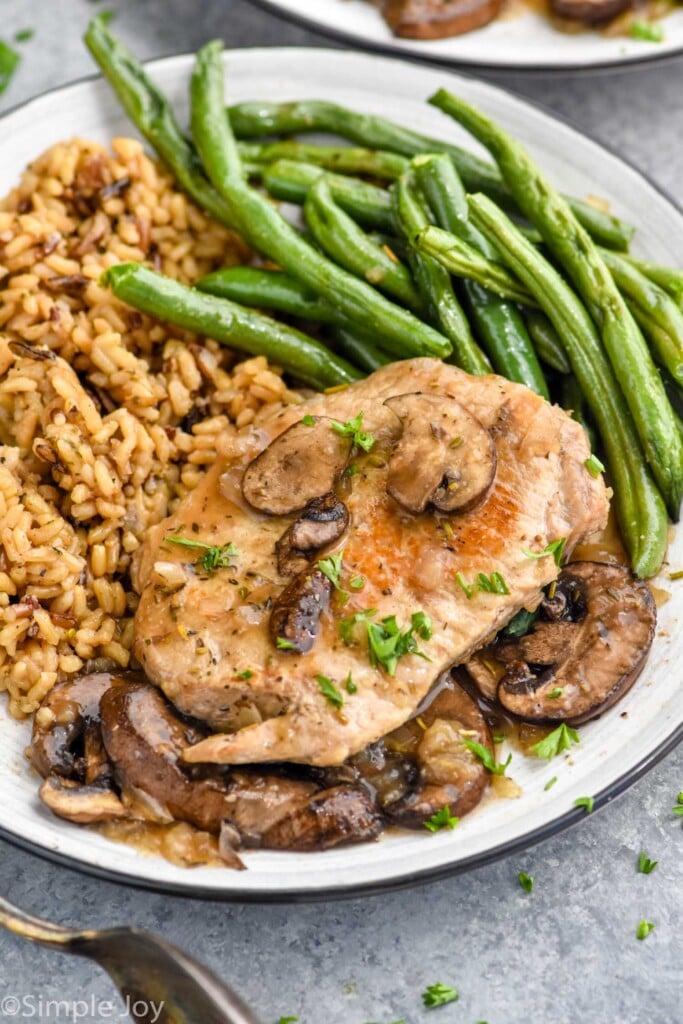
[(525, 41), (615, 750)]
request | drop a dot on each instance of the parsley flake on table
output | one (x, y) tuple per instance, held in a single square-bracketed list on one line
[(587, 802), (215, 556), (526, 881), (550, 783), (643, 930), (645, 865), (555, 742), (330, 691), (555, 548), (387, 642), (438, 995), (486, 757), (288, 1020), (441, 819), (678, 809), (9, 62), (594, 466), (354, 429), (24, 34)]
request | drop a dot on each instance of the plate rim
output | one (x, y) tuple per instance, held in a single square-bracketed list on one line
[(348, 39), (351, 890)]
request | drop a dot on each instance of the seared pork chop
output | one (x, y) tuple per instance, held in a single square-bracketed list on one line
[(205, 637)]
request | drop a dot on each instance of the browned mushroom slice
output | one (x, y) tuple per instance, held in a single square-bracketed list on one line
[(437, 19), (302, 463), (444, 457), (424, 766), (295, 615), (62, 742), (84, 805), (322, 522), (337, 815), (585, 650)]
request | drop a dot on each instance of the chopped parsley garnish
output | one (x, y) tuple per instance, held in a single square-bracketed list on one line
[(645, 865), (24, 34), (441, 819), (357, 583), (486, 757), (308, 420), (215, 556), (678, 809), (520, 623), (387, 642), (439, 995), (247, 674), (526, 881), (556, 692), (346, 626), (9, 62), (555, 742), (284, 645), (288, 1020), (594, 466), (676, 575), (467, 589), (588, 802), (555, 548), (550, 783), (349, 685), (498, 737), (493, 584), (643, 930), (353, 429), (332, 568), (646, 31), (330, 691)]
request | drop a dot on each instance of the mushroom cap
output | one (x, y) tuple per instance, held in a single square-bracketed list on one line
[(321, 523), (445, 456), (592, 655), (303, 462)]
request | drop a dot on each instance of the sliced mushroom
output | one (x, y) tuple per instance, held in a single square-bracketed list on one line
[(145, 739), (322, 522), (83, 805), (585, 650), (424, 766), (295, 615), (302, 463), (65, 738), (445, 457)]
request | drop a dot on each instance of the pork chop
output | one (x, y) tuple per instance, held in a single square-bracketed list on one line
[(204, 636)]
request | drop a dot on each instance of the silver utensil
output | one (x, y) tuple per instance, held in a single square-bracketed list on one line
[(159, 983)]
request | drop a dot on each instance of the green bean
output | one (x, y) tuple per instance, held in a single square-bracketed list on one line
[(342, 240), (659, 317), (269, 289), (640, 508), (462, 260), (497, 322), (576, 253), (433, 281), (546, 341), (668, 278), (359, 349), (369, 205), (375, 163), (258, 118), (151, 112), (232, 325), (268, 232), (574, 403)]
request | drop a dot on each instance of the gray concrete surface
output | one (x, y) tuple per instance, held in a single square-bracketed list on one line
[(565, 954)]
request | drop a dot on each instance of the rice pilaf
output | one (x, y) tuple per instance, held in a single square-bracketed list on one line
[(107, 417)]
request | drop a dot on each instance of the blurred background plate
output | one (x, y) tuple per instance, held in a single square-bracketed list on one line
[(521, 39), (615, 750)]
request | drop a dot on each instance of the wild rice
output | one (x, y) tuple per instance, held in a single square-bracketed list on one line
[(107, 417)]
